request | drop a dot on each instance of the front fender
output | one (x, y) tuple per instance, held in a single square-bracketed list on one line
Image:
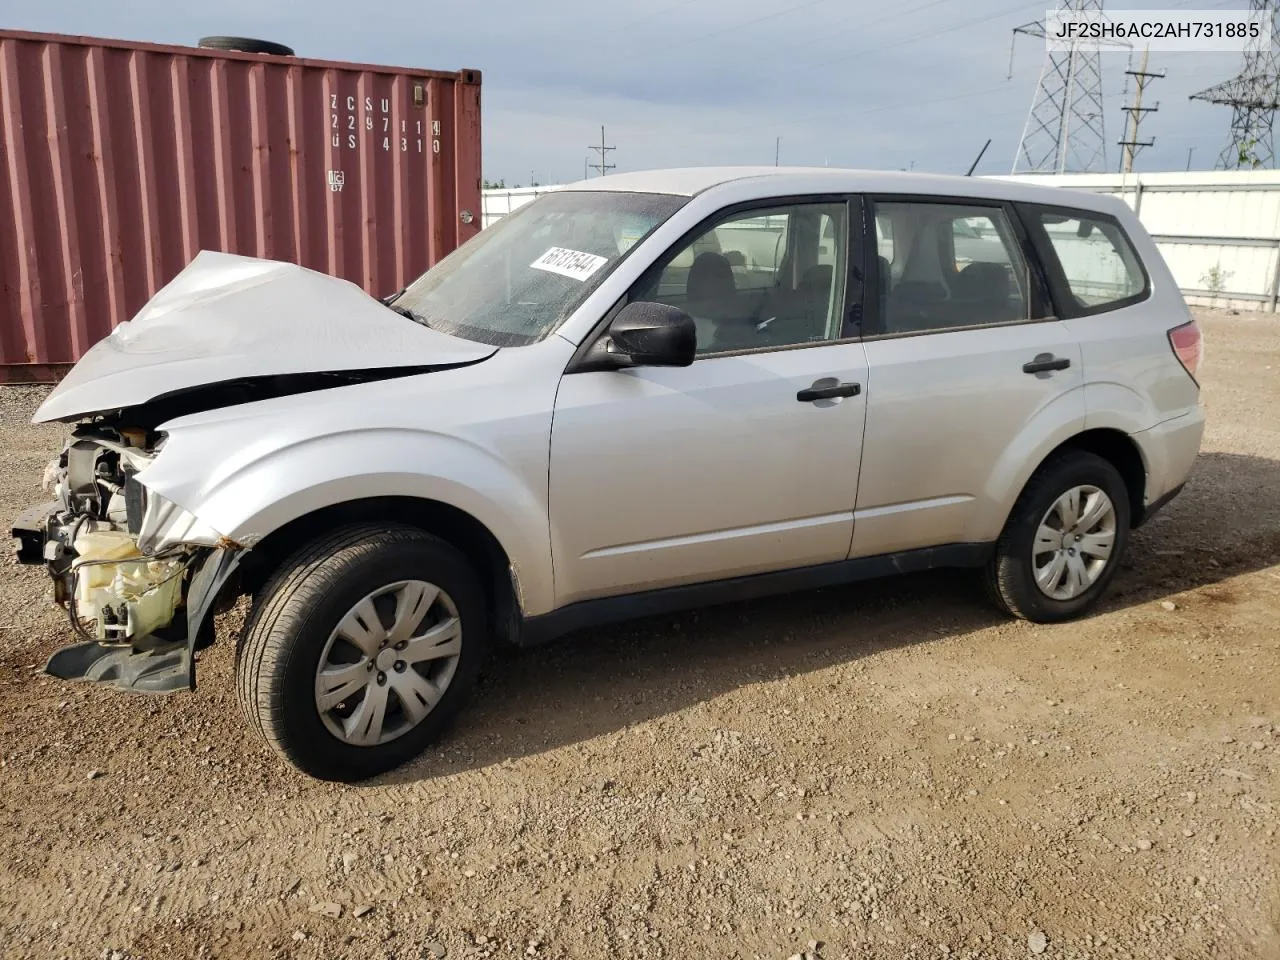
[(254, 491)]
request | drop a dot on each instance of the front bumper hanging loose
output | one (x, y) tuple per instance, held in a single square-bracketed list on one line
[(146, 664)]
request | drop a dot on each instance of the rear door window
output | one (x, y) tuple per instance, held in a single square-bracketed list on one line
[(1098, 263), (948, 265)]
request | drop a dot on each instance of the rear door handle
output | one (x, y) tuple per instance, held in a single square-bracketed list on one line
[(825, 390), (1046, 362)]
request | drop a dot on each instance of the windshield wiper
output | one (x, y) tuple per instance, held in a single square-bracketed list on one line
[(408, 314)]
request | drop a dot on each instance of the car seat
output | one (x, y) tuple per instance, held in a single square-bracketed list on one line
[(982, 290), (711, 296)]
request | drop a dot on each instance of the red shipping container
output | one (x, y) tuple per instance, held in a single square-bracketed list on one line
[(120, 161)]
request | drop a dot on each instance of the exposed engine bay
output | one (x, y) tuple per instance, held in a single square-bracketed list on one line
[(122, 600), (91, 546)]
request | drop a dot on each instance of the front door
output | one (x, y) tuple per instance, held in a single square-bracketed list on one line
[(962, 358), (747, 460)]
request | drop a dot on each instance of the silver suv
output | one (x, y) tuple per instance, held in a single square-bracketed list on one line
[(637, 394)]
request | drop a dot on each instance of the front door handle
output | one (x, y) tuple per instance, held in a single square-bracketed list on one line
[(1046, 362), (826, 390)]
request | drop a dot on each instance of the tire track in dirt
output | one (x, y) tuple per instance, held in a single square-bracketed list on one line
[(732, 782)]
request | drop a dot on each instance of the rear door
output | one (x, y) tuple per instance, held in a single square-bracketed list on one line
[(968, 373)]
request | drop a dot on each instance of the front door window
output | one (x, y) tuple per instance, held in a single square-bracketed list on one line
[(760, 278)]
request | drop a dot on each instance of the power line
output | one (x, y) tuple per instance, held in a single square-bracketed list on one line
[(843, 113), (897, 14), (933, 126), (922, 36), (603, 51), (603, 166), (862, 25), (658, 13), (738, 26), (902, 42)]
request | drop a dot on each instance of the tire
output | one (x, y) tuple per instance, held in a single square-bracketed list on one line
[(1011, 574), (306, 617), (246, 45)]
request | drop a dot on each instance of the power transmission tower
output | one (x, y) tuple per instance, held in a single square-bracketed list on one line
[(1253, 95), (603, 150), (1064, 129), (1136, 111)]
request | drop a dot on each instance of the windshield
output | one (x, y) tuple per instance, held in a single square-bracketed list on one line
[(516, 281)]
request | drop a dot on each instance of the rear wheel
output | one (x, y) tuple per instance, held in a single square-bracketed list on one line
[(1063, 541), (361, 649)]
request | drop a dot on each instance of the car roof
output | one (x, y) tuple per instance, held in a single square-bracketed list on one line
[(781, 181)]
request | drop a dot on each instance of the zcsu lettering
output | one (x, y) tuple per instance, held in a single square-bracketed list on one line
[(368, 107)]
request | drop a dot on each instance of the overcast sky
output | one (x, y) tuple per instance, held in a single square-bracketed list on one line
[(855, 83)]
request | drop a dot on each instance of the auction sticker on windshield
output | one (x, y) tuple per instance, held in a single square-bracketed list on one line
[(569, 263)]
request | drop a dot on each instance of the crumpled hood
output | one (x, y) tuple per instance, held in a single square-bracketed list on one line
[(228, 317)]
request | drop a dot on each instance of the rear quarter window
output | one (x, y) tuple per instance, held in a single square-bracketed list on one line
[(1098, 266)]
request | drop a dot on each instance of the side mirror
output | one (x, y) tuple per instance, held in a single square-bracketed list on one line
[(653, 335)]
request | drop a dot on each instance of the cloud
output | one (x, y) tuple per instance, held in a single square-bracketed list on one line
[(845, 82)]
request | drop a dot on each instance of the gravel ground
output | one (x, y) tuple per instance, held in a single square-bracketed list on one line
[(889, 770)]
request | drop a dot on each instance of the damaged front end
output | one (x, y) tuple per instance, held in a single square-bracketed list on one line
[(133, 571), (137, 572)]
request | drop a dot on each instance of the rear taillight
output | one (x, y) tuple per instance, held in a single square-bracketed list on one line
[(1188, 345)]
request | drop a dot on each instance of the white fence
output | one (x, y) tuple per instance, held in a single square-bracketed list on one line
[(497, 203), (1219, 231)]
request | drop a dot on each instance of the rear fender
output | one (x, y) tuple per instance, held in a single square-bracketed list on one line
[(1118, 406), (1050, 427)]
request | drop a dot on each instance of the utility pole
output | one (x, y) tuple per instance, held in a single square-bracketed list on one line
[(1131, 143), (777, 149), (603, 166), (1190, 151)]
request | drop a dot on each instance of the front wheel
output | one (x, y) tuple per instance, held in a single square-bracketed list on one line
[(1063, 541), (360, 649)]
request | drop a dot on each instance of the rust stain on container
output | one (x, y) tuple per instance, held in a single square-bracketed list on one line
[(120, 161)]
